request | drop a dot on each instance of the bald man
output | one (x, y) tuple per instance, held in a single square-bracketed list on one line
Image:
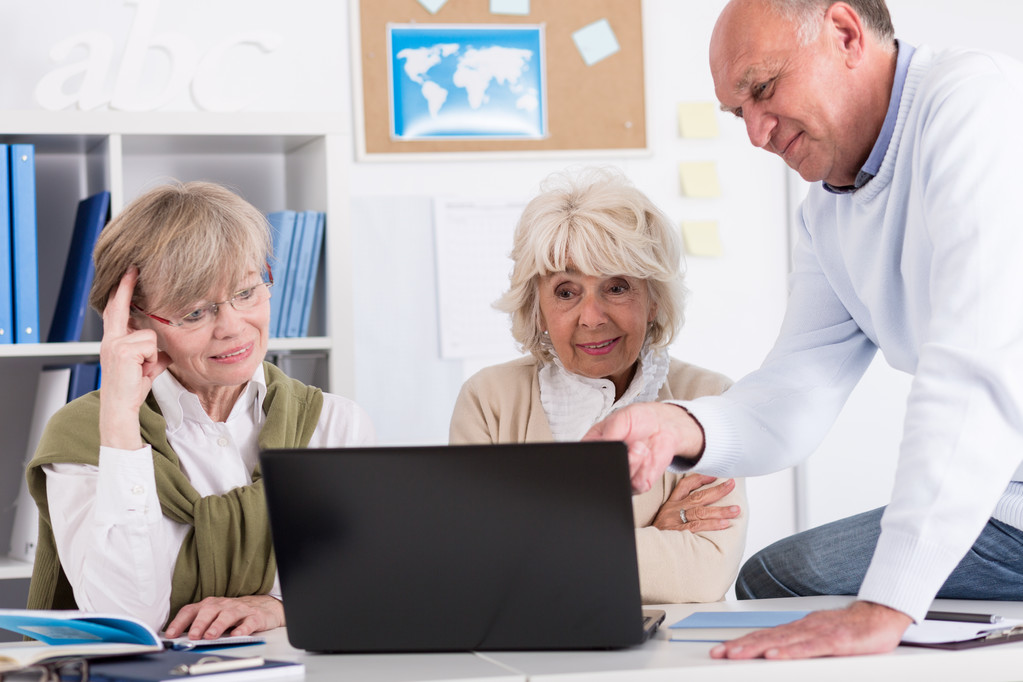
[(909, 243)]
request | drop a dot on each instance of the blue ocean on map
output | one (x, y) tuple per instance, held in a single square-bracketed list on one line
[(467, 82)]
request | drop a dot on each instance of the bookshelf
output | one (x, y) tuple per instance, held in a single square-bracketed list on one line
[(275, 161)]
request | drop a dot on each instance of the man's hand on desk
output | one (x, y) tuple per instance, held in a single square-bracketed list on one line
[(861, 628), (654, 433)]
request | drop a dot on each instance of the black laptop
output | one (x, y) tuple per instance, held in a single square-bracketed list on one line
[(456, 548)]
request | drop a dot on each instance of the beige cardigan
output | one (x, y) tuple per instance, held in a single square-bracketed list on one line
[(501, 404)]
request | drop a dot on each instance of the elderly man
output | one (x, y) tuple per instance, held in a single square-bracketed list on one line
[(909, 244)]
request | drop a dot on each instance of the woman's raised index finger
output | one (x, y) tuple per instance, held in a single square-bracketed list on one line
[(118, 310)]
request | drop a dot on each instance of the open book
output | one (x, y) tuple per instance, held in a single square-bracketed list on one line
[(61, 634)]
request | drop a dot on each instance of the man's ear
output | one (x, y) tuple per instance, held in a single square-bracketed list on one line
[(846, 28)]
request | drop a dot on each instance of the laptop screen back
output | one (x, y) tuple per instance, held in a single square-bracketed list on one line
[(448, 548)]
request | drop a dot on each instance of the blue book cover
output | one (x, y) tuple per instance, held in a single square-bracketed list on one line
[(73, 299), (6, 273), (288, 295), (184, 665), (307, 245), (314, 269), (84, 379), (24, 248), (283, 224), (721, 626)]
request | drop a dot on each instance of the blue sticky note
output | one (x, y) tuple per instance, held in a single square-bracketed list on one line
[(433, 5), (517, 7), (596, 41)]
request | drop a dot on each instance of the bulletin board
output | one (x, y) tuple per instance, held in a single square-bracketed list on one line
[(600, 106)]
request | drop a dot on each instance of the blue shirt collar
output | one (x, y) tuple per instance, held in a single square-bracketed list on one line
[(873, 164)]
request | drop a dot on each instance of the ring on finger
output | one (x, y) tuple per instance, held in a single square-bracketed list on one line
[(682, 515)]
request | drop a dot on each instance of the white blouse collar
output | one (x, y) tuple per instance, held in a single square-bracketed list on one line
[(179, 404), (573, 403)]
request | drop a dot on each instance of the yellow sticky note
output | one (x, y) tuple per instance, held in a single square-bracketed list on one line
[(699, 179), (697, 119), (702, 238)]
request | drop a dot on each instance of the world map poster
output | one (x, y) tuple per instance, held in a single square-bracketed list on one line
[(467, 82)]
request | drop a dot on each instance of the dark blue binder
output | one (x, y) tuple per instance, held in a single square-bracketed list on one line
[(6, 272), (73, 299), (24, 248), (84, 379)]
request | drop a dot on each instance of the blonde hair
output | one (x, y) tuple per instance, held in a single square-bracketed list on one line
[(185, 240), (598, 221)]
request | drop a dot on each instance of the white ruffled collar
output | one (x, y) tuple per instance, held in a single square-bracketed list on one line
[(573, 403)]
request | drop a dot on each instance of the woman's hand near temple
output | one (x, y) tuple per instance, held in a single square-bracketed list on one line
[(698, 503), (215, 617), (129, 361)]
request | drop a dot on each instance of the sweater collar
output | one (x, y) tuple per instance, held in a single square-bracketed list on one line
[(877, 154)]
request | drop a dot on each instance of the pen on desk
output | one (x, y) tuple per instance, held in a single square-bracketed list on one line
[(962, 617), (212, 664)]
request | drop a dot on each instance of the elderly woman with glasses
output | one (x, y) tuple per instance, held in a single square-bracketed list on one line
[(596, 297), (149, 491)]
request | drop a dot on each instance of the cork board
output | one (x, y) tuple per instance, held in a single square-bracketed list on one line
[(598, 106)]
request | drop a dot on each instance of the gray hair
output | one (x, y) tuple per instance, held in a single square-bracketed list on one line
[(604, 226), (807, 14), (185, 240)]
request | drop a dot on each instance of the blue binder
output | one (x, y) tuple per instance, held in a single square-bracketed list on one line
[(6, 273), (288, 295), (84, 379), (314, 268), (311, 233), (73, 299), (24, 249), (283, 224)]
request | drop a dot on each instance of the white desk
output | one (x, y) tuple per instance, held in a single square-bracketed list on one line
[(661, 659)]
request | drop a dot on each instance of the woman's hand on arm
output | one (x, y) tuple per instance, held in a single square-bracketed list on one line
[(701, 514), (130, 361), (215, 617)]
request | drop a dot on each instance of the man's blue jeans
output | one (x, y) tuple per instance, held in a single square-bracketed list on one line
[(833, 558)]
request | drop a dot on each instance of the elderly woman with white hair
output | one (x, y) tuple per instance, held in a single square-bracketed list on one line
[(596, 297), (149, 491)]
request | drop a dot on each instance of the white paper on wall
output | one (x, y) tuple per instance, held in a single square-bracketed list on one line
[(473, 238)]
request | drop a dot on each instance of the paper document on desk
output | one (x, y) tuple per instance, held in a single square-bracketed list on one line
[(945, 631)]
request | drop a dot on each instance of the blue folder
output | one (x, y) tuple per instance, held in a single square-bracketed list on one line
[(84, 379), (24, 248), (309, 257), (283, 224), (73, 299), (288, 295), (6, 273)]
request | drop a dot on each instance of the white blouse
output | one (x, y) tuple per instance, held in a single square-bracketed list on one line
[(573, 403)]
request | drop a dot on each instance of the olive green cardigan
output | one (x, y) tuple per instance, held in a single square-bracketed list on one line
[(228, 551)]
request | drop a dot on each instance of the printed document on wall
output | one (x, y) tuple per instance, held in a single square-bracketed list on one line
[(473, 239)]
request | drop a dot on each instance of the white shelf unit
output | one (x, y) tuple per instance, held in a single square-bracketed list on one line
[(275, 161)]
